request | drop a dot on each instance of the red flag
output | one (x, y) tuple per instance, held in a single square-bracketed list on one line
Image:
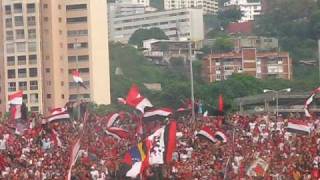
[(221, 103), (135, 99)]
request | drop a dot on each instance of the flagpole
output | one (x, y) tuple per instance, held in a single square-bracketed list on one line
[(191, 82), (78, 84)]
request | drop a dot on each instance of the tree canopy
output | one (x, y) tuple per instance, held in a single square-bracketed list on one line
[(140, 35)]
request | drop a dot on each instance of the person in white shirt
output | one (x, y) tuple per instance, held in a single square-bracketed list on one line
[(3, 143)]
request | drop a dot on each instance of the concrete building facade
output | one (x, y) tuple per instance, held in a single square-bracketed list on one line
[(218, 67), (43, 41), (208, 6), (183, 24)]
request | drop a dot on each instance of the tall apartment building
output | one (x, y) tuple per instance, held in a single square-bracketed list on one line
[(145, 3), (176, 24), (43, 41), (218, 67), (249, 8), (208, 6)]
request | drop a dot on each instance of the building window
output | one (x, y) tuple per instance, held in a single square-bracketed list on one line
[(48, 96), (7, 9), (47, 70), (22, 60), (10, 61), (32, 59), (60, 19), (34, 108), (49, 83), (33, 85), (8, 22), (62, 96), (72, 58), (31, 8), (23, 85), (77, 45), (33, 72), (76, 7), (31, 20), (62, 83), (9, 35), (21, 47), (10, 48), (84, 70), (22, 73), (17, 8), (11, 74), (34, 98), (83, 58), (59, 6), (32, 34), (12, 86), (32, 46), (76, 20), (45, 6), (20, 34), (45, 19), (73, 33), (18, 21)]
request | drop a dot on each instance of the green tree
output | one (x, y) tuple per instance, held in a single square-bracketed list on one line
[(229, 15), (140, 35)]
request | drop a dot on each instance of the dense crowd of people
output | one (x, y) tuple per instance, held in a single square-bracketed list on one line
[(42, 151)]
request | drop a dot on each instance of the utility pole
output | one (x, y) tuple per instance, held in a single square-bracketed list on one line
[(191, 82), (319, 57)]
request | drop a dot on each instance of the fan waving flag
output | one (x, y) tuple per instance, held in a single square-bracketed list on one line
[(309, 101), (16, 98), (77, 78), (300, 127), (74, 157), (15, 112), (135, 99)]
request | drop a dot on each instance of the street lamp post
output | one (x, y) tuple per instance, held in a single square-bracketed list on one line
[(277, 96)]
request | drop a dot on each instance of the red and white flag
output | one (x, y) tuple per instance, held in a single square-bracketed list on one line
[(159, 112), (258, 168), (161, 144), (117, 133), (220, 136), (55, 138), (300, 127), (15, 112), (77, 78), (57, 114), (111, 119), (16, 98), (135, 99), (74, 157), (207, 133), (309, 101)]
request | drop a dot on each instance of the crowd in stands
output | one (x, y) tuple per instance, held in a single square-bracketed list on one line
[(42, 151)]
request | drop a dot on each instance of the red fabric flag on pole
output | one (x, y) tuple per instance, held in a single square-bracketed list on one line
[(221, 104)]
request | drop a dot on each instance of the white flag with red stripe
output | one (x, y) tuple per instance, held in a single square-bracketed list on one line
[(76, 78), (16, 98), (57, 114), (117, 133), (309, 101)]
